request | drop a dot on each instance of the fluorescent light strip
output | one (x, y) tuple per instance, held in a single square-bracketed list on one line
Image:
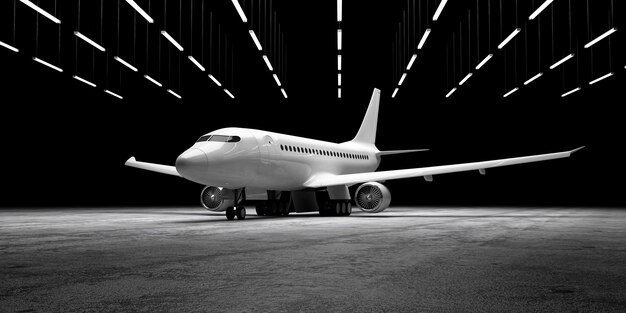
[(41, 11), (510, 92), (539, 9), (533, 78), (339, 62), (256, 40), (229, 94), (89, 41), (276, 79), (267, 61), (196, 63), (215, 80), (113, 94), (173, 93), (168, 37), (408, 67), (570, 92), (152, 80), (284, 93), (485, 60), (339, 93), (140, 11), (240, 11), (561, 61), (600, 78), (395, 92), (48, 64), (607, 33), (423, 40), (439, 9), (339, 79), (451, 92), (507, 39), (402, 79), (465, 78), (84, 81), (9, 47), (339, 39), (118, 59), (339, 11)]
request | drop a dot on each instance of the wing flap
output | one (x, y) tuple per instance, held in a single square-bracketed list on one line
[(350, 179), (163, 169)]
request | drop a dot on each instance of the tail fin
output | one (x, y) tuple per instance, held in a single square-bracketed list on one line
[(367, 132)]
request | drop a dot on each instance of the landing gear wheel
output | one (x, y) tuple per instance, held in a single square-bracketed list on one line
[(241, 213), (230, 213), (338, 208), (349, 209)]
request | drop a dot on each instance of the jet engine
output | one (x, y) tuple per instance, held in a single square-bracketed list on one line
[(372, 197), (217, 199)]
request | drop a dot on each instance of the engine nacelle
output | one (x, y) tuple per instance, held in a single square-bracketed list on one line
[(217, 199), (372, 197)]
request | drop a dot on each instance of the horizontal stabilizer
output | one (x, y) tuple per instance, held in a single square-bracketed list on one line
[(389, 152), (163, 169)]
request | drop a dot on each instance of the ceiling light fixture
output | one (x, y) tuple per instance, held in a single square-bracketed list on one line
[(510, 92), (465, 78), (41, 11), (451, 92), (561, 61), (601, 78), (118, 59), (113, 94), (140, 11), (89, 41), (607, 33), (173, 93), (240, 11), (229, 94), (423, 40), (9, 47), (256, 40), (533, 78), (168, 37), (47, 64), (507, 39), (215, 80), (84, 81), (439, 9), (153, 81), (570, 92), (408, 67), (487, 58), (539, 9), (267, 61), (196, 63)]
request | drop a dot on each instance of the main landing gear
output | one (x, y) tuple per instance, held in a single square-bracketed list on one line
[(272, 208), (239, 211), (336, 208)]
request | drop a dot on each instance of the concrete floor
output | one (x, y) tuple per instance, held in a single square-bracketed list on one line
[(404, 259)]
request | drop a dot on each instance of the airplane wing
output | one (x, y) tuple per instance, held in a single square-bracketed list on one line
[(163, 169), (350, 179)]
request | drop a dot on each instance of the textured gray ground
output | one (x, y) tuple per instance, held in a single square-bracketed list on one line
[(404, 259)]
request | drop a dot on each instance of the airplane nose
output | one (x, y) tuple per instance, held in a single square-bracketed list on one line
[(192, 163)]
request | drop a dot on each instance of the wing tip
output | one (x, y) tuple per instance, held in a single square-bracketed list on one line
[(130, 160), (572, 151)]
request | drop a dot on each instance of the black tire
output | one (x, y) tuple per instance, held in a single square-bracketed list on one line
[(241, 213), (349, 208), (338, 208), (230, 213)]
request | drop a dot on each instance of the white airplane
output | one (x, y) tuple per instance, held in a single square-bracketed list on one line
[(283, 173)]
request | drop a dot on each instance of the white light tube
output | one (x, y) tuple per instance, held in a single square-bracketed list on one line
[(240, 11), (423, 40), (113, 94), (284, 93), (339, 39), (9, 47), (84, 81), (196, 63), (339, 11), (601, 78), (507, 39), (539, 9), (229, 94), (168, 37), (569, 56), (339, 62), (510, 92), (256, 40), (173, 93), (276, 79), (153, 81), (465, 78), (339, 93), (487, 58), (570, 92), (215, 80), (41, 11), (89, 41), (140, 11), (402, 79), (339, 79), (394, 93), (408, 67), (607, 33), (118, 59), (451, 92), (533, 78), (267, 62), (439, 9), (48, 64)]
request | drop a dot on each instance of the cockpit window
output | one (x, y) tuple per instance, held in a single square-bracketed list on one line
[(219, 138)]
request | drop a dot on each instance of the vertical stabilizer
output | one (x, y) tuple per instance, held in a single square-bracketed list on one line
[(367, 132)]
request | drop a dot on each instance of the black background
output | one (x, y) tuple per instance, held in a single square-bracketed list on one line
[(64, 143)]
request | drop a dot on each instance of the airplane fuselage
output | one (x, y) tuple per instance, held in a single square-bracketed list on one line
[(250, 158)]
